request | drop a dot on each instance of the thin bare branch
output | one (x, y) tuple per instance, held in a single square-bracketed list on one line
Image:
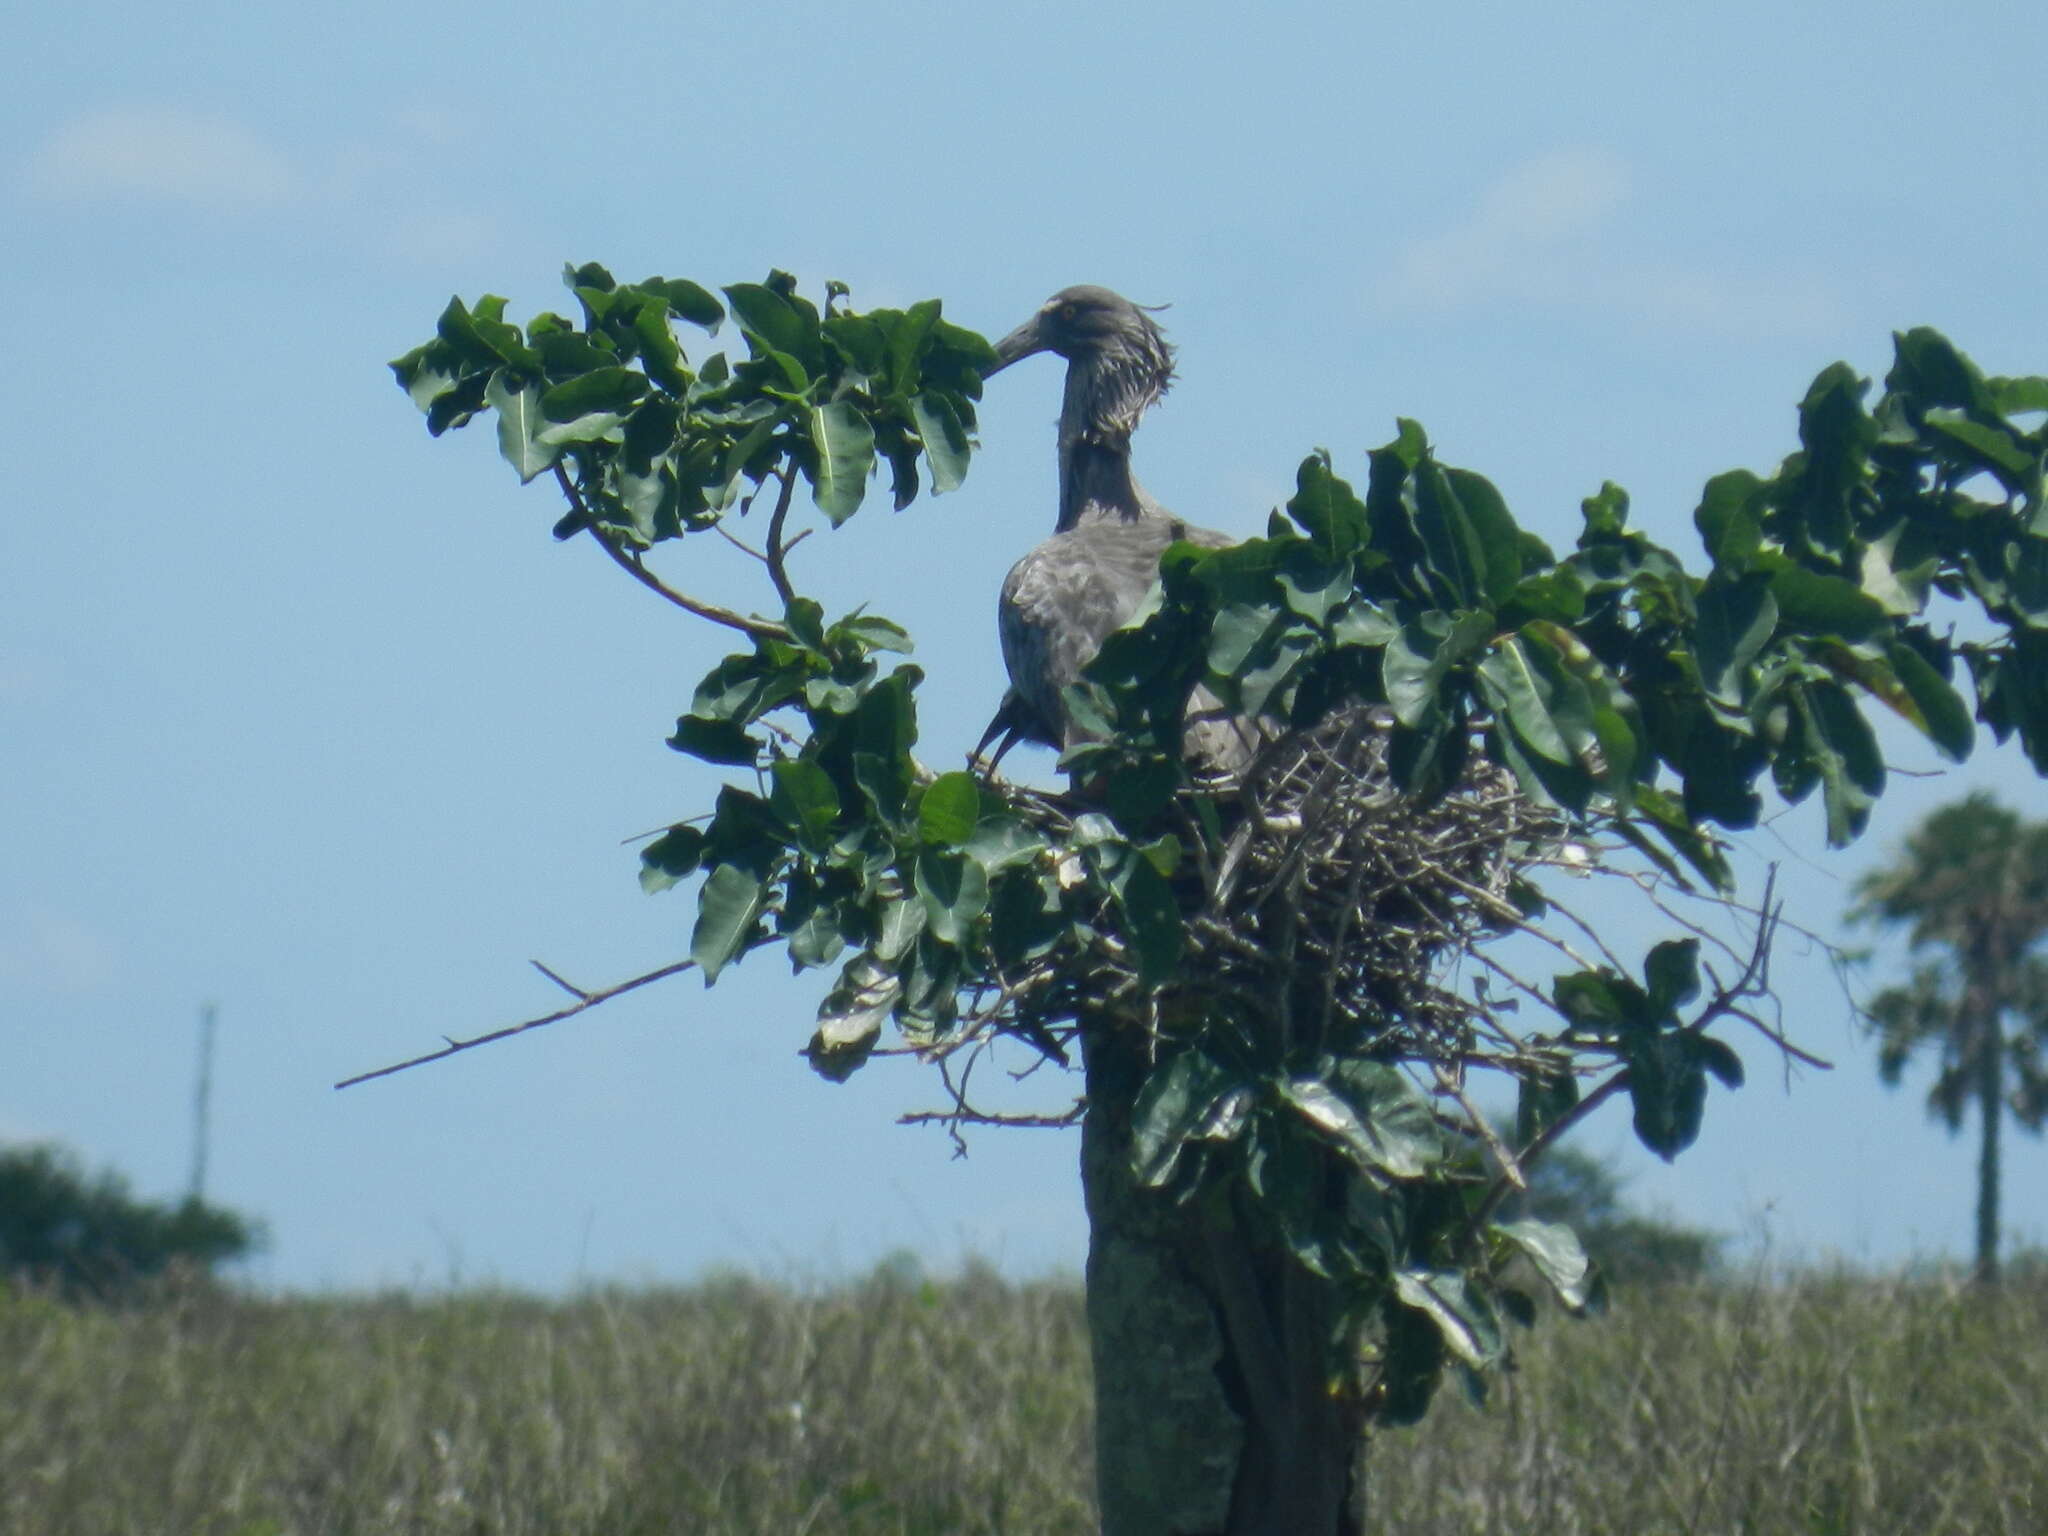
[(583, 1000), (631, 563), (778, 552)]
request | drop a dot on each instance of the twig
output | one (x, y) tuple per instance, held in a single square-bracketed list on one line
[(632, 565), (958, 1117), (583, 1000), (778, 552)]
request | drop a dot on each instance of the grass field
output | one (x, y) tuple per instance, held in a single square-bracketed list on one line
[(897, 1405)]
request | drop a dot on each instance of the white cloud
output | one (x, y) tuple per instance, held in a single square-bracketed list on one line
[(163, 155), (1547, 232), (1515, 231), (50, 953)]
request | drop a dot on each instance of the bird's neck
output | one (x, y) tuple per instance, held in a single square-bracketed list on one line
[(1097, 486), (1103, 405)]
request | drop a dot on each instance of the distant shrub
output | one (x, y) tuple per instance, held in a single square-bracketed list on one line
[(87, 1235)]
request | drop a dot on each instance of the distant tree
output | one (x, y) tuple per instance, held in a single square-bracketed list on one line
[(87, 1235), (1971, 885), (1576, 1188)]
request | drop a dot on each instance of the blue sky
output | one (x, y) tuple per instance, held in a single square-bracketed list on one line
[(305, 714)]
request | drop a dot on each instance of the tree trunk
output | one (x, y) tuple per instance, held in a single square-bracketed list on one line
[(1213, 1415), (1991, 1107)]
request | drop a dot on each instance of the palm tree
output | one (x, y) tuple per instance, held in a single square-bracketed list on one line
[(1971, 884)]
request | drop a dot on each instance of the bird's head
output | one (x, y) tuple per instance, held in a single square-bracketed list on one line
[(1113, 345)]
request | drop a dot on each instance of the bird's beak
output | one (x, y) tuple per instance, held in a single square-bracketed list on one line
[(1020, 343)]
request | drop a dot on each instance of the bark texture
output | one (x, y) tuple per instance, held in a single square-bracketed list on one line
[(1213, 1414)]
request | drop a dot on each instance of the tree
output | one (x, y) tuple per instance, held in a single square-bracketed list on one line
[(91, 1237), (1296, 1213), (1971, 885)]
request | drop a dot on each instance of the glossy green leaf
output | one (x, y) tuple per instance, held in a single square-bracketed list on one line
[(1990, 446), (771, 322), (1327, 509), (851, 1017), (945, 440), (715, 741), (1852, 770), (588, 408), (1170, 1108), (1669, 1093), (843, 448), (1736, 621), (802, 792), (670, 858), (1672, 971), (1468, 1325), (1554, 1249), (728, 908), (1825, 605), (954, 890), (949, 809), (1153, 916), (519, 423), (688, 301), (1938, 709)]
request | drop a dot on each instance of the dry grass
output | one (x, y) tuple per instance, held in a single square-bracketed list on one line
[(898, 1406)]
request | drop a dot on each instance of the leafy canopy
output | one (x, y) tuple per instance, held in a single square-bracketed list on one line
[(1634, 693)]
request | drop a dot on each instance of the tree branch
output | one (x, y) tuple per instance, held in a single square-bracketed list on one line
[(631, 563), (583, 1000), (778, 552)]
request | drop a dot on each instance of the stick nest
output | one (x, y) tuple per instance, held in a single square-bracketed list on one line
[(1342, 905)]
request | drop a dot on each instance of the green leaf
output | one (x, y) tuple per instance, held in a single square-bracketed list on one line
[(1729, 519), (1004, 842), (1736, 621), (1468, 1325), (715, 741), (944, 438), (1673, 973), (1825, 605), (1556, 1252), (875, 633), (1990, 447), (802, 794), (951, 806), (1146, 900), (1669, 1091), (851, 1017), (1372, 1115), (1719, 1059), (773, 323), (1541, 1101), (1938, 710), (1851, 767), (727, 909), (688, 301), (2012, 396), (519, 423), (843, 451), (672, 857), (954, 890), (908, 330), (1327, 509), (1494, 527), (585, 409), (1171, 1108)]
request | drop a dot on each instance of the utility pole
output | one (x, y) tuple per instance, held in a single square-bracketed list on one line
[(202, 1103)]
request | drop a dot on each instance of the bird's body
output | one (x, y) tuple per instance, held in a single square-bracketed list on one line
[(1062, 600)]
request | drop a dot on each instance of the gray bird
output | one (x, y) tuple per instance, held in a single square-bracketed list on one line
[(1064, 598)]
